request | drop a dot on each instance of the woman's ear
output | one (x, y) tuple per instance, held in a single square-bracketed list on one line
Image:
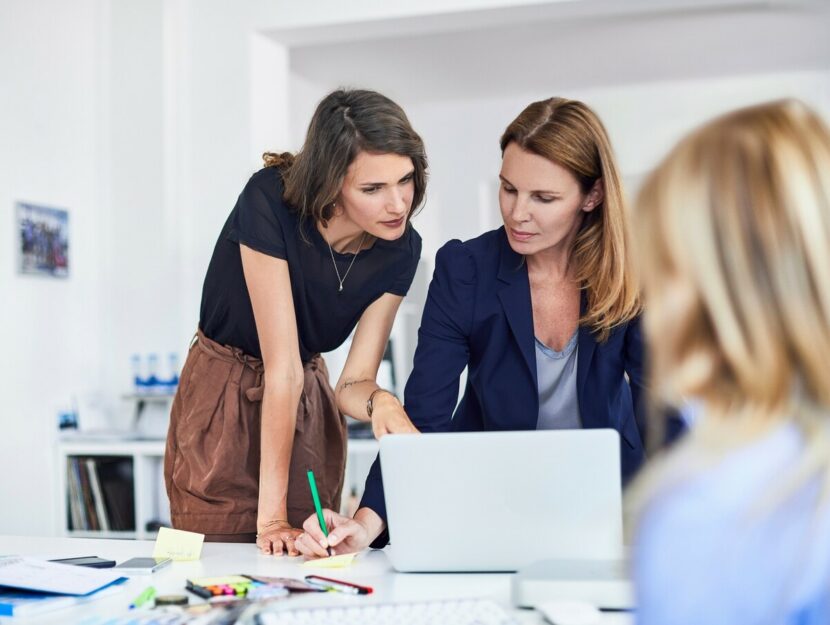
[(594, 197)]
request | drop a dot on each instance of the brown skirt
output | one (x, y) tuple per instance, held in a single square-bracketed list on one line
[(211, 463)]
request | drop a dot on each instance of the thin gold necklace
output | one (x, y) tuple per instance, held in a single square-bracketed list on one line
[(354, 258)]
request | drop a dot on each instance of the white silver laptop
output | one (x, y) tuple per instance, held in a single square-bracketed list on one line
[(498, 501)]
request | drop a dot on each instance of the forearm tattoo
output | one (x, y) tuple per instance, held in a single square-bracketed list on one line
[(349, 383)]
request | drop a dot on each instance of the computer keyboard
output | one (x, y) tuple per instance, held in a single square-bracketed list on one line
[(456, 612)]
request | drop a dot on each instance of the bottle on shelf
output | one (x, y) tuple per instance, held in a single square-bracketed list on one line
[(172, 381), (152, 380), (139, 381)]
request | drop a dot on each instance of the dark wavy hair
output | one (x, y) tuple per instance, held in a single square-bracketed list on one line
[(346, 122)]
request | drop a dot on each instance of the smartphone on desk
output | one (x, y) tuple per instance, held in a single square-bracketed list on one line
[(142, 566), (91, 561)]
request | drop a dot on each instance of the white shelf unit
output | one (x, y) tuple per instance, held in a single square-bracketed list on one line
[(148, 488), (149, 497), (405, 328), (359, 458)]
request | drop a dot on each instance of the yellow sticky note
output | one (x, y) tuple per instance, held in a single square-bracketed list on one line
[(178, 544), (334, 562)]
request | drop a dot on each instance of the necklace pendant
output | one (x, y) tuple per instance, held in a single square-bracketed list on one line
[(349, 268)]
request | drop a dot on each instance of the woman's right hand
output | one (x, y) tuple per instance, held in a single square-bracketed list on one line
[(345, 536), (389, 416), (278, 537)]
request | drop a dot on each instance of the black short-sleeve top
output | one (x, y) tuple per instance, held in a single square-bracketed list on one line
[(263, 221)]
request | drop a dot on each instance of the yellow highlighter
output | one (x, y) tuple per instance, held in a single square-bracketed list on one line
[(143, 598)]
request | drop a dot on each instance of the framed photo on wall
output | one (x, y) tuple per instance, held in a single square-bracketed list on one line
[(43, 240)]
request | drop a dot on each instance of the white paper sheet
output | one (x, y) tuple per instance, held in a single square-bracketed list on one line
[(65, 579)]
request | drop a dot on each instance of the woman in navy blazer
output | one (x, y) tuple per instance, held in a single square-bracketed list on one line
[(542, 312), (479, 315)]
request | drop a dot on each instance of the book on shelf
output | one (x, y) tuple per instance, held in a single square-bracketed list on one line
[(73, 520), (87, 503), (97, 495), (76, 494), (100, 493)]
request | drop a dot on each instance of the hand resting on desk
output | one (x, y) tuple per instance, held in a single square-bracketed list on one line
[(278, 538), (345, 535)]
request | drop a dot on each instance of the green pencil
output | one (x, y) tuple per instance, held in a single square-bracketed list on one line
[(316, 496)]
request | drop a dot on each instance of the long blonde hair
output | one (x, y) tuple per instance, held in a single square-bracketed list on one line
[(570, 134), (733, 234)]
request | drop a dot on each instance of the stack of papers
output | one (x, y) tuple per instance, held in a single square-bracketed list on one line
[(28, 586)]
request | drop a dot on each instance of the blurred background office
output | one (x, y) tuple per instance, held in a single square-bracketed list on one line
[(142, 120)]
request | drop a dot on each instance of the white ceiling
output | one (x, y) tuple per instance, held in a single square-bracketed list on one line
[(325, 22), (571, 45)]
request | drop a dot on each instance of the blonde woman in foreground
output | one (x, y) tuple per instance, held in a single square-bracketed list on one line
[(734, 232)]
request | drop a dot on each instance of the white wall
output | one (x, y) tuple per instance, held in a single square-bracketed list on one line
[(49, 328), (224, 124), (142, 237), (184, 131), (643, 120)]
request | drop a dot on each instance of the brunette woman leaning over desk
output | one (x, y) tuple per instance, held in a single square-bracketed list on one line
[(318, 243)]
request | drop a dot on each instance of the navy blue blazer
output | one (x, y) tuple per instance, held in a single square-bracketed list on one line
[(478, 315)]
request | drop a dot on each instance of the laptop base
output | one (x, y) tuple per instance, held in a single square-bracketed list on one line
[(601, 583)]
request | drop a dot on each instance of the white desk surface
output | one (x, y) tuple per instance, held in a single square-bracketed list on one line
[(370, 569)]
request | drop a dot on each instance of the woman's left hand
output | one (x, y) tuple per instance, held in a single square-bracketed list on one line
[(389, 417), (278, 539)]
